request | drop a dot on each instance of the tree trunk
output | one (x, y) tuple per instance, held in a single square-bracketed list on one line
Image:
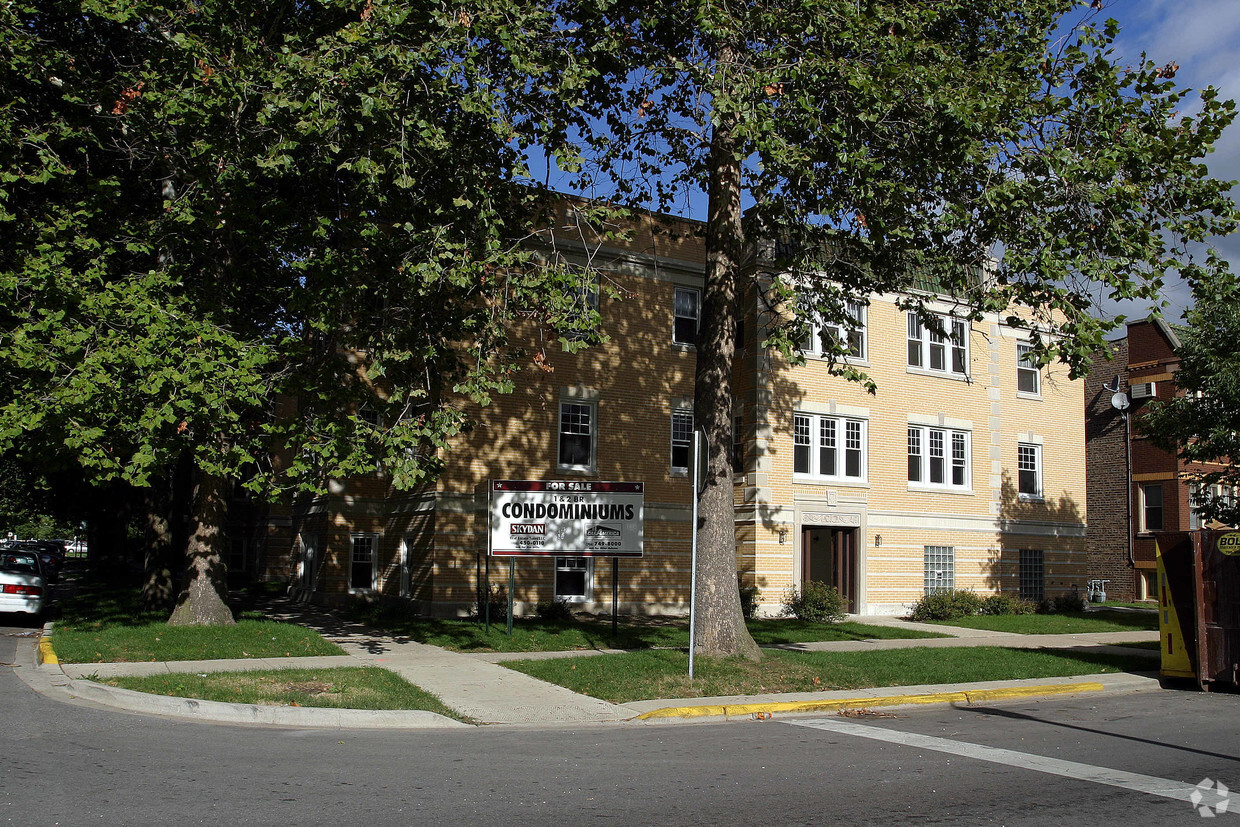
[(201, 602), (159, 583), (721, 630)]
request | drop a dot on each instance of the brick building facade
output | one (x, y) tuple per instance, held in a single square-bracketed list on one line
[(966, 469), (1135, 488)]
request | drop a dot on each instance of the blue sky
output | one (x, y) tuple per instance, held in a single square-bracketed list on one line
[(1203, 37)]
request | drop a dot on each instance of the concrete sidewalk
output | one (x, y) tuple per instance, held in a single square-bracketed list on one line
[(477, 686)]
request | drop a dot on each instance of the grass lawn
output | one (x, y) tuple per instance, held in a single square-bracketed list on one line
[(1074, 623), (110, 625), (345, 688), (535, 635), (638, 676)]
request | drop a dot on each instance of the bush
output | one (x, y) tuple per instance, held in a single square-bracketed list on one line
[(1006, 604), (749, 601), (1060, 604), (497, 598), (947, 605), (553, 610), (816, 603)]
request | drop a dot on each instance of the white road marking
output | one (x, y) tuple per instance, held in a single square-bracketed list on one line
[(1152, 785)]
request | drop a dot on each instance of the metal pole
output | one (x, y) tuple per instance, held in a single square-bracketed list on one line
[(512, 587), (615, 594), (486, 595), (697, 446)]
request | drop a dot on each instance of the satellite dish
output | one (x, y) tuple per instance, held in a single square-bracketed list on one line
[(1120, 401)]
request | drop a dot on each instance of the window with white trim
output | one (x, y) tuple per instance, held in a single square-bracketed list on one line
[(573, 580), (682, 441), (738, 444), (1028, 376), (363, 561), (583, 306), (851, 335), (1029, 471), (829, 447), (940, 569), (938, 457), (1198, 498), (946, 352), (308, 562), (1152, 507), (686, 310), (576, 436)]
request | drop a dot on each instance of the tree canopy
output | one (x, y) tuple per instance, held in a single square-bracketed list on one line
[(984, 151), (212, 206)]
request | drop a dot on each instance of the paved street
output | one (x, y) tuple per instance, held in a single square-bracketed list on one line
[(1043, 762)]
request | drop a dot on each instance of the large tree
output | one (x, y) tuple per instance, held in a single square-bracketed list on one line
[(992, 149), (1202, 423), (209, 206)]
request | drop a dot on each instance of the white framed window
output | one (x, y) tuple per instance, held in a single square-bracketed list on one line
[(1152, 507), (1032, 574), (682, 441), (308, 560), (364, 562), (738, 444), (939, 458), (1197, 498), (1028, 376), (687, 313), (574, 579), (1029, 471), (850, 336), (828, 447), (577, 437), (939, 563), (946, 352), (583, 305)]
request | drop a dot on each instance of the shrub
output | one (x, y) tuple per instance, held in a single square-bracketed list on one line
[(1006, 604), (948, 604), (815, 603), (497, 598), (553, 610), (1064, 603), (749, 600)]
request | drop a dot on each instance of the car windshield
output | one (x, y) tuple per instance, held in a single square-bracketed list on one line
[(19, 562)]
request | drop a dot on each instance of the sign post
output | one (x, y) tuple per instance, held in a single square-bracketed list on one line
[(615, 593)]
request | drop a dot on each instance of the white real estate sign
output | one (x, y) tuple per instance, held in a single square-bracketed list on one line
[(532, 518)]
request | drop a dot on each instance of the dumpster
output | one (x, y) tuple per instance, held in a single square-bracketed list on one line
[(1199, 606)]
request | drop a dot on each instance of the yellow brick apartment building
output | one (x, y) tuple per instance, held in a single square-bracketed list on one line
[(966, 469)]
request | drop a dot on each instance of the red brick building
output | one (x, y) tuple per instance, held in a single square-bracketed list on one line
[(1134, 488)]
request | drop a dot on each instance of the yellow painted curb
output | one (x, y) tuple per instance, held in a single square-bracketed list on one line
[(46, 653), (967, 696)]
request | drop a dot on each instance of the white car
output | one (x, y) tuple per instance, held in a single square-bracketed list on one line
[(22, 585)]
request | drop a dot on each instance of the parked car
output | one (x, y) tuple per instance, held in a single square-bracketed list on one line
[(51, 554), (23, 587)]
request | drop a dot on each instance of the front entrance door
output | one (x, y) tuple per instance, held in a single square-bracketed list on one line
[(829, 555)]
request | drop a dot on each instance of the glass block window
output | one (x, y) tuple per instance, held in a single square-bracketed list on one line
[(1032, 574), (940, 568)]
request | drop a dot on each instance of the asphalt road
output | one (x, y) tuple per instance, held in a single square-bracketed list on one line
[(1118, 759)]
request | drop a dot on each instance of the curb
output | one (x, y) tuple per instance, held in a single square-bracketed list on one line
[(230, 713), (46, 654), (966, 696)]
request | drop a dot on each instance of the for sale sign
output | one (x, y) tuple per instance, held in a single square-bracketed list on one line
[(567, 518)]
